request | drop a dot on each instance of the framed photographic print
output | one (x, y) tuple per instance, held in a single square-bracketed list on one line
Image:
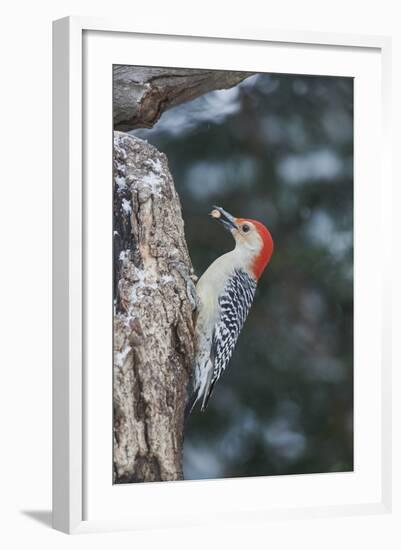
[(220, 300)]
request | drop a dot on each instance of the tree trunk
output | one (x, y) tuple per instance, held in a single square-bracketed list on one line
[(153, 325), (142, 94), (153, 328)]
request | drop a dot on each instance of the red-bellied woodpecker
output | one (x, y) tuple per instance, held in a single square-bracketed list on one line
[(225, 294)]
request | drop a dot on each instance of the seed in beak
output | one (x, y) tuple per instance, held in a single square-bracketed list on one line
[(215, 214)]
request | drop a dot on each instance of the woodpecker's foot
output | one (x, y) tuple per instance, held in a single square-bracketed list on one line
[(190, 279)]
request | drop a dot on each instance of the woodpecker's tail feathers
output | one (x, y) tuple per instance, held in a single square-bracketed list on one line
[(209, 385), (193, 398), (207, 394)]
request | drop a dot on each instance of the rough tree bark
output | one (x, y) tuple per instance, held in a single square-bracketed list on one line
[(142, 94), (153, 317)]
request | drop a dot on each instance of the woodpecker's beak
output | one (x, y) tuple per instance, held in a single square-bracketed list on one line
[(228, 221)]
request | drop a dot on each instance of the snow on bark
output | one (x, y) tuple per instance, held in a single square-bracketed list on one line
[(153, 326), (142, 94)]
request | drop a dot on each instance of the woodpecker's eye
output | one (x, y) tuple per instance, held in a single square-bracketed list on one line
[(245, 228)]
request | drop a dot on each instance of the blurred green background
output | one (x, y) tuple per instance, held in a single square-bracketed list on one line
[(277, 148)]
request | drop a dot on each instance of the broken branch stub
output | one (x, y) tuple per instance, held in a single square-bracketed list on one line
[(142, 94)]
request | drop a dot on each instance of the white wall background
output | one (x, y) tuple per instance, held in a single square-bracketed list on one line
[(25, 490)]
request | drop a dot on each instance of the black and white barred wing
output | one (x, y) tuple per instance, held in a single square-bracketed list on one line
[(234, 305)]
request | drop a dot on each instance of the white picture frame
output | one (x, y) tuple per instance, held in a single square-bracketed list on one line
[(71, 420)]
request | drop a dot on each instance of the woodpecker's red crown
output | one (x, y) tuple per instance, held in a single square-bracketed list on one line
[(263, 255)]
